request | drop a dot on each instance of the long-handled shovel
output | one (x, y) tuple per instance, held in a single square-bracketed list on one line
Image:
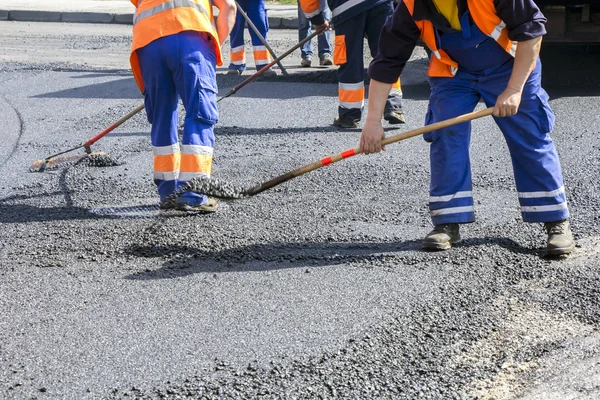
[(262, 39), (54, 160), (223, 190), (269, 65)]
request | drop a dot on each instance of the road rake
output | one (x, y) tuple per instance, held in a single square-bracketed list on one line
[(102, 159), (224, 190), (96, 158)]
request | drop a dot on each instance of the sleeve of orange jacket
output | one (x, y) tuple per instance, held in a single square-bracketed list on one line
[(134, 2), (313, 11)]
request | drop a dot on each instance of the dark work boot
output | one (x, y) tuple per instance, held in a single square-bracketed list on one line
[(441, 237), (560, 239), (394, 116), (345, 123)]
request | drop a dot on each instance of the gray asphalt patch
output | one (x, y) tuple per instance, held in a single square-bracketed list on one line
[(315, 288)]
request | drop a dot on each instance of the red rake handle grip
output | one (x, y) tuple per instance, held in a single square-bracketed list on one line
[(352, 152), (99, 136)]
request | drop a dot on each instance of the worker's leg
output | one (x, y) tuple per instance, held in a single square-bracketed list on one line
[(161, 108), (451, 197), (376, 18), (348, 54), (536, 166), (196, 84), (324, 40), (237, 52), (258, 15), (303, 31)]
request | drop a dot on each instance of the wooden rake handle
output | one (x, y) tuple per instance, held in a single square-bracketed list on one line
[(269, 65), (352, 152), (262, 39)]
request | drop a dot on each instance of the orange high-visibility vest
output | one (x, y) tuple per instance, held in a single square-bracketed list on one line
[(154, 19), (485, 17)]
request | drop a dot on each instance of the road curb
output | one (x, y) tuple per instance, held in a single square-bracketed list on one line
[(57, 16), (107, 18)]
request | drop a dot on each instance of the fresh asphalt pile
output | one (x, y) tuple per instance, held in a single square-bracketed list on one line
[(314, 289)]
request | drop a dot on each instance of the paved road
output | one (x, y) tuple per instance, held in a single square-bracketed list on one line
[(315, 288)]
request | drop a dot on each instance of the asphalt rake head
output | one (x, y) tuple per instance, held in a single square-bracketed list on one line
[(213, 188), (96, 159)]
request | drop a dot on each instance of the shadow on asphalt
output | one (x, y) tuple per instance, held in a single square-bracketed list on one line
[(275, 256), (241, 131)]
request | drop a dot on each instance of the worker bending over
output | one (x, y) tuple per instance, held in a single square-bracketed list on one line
[(481, 50), (176, 47), (354, 20)]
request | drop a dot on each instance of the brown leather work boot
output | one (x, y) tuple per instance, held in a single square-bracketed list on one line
[(441, 237), (560, 239)]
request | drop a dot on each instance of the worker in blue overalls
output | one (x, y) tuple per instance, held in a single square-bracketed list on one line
[(481, 50), (255, 9), (354, 20), (175, 52)]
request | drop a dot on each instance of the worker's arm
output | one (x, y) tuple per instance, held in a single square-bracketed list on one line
[(526, 26), (313, 10), (372, 133), (225, 19), (397, 41), (526, 57)]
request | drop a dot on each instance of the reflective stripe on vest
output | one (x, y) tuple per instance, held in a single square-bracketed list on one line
[(345, 7), (484, 15), (310, 8), (169, 5), (158, 18)]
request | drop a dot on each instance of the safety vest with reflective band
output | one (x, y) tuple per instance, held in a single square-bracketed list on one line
[(341, 10), (154, 19), (485, 17)]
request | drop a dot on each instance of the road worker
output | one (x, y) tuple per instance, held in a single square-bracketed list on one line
[(255, 9), (353, 20), (482, 50), (176, 48)]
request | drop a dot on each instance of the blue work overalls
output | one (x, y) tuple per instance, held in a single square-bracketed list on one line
[(181, 65), (350, 36), (484, 71), (255, 9)]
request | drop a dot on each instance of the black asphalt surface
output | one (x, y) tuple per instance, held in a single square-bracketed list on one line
[(314, 289)]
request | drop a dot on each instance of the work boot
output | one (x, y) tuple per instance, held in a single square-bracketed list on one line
[(167, 204), (394, 116), (325, 59), (441, 237), (306, 62), (269, 72), (233, 71), (345, 123), (560, 239), (209, 207)]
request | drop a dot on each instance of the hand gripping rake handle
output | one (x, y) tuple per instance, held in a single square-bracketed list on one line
[(262, 39), (269, 65), (352, 152)]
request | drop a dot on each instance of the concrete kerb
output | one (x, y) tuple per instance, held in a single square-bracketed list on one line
[(56, 16), (108, 18)]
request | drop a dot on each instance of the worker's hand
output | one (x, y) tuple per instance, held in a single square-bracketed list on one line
[(371, 137), (507, 103), (324, 25)]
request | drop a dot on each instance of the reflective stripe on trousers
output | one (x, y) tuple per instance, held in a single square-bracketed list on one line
[(181, 65), (255, 9), (536, 167)]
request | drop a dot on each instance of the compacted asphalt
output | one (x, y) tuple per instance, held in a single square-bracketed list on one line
[(314, 289)]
